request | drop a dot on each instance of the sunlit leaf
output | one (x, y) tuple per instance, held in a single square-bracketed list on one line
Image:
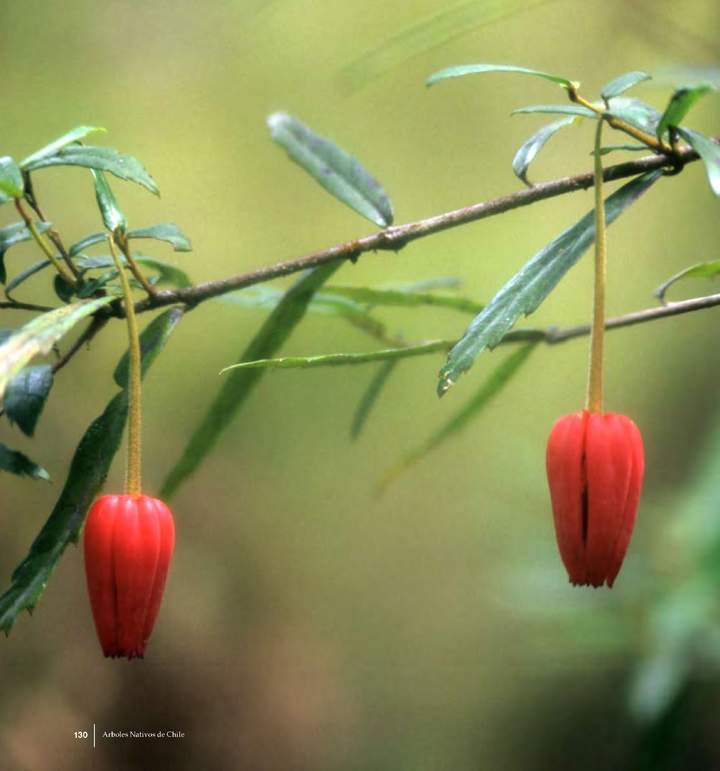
[(370, 397), (15, 462), (635, 112), (15, 234), (531, 147), (74, 135), (88, 470), (338, 172), (623, 83), (461, 70), (112, 215), (100, 158), (526, 290), (709, 269), (39, 335), (11, 179), (26, 395), (709, 152), (679, 105), (165, 231), (236, 388), (556, 109), (490, 387), (341, 359)]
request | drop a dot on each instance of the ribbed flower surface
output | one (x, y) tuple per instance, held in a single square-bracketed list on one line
[(128, 543), (595, 464)]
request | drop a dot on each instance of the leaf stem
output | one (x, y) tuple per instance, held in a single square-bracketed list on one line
[(134, 267), (44, 245), (133, 475), (595, 376)]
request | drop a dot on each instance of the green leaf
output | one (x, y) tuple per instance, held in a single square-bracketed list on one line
[(63, 289), (370, 397), (236, 388), (709, 269), (628, 148), (84, 243), (15, 234), (15, 282), (17, 463), (40, 335), (11, 178), (88, 470), (4, 198), (623, 83), (339, 173), (26, 395), (709, 151), (490, 387), (635, 112), (529, 149), (461, 70), (342, 359), (526, 290), (402, 298), (153, 339), (100, 158), (556, 109), (113, 217), (72, 136), (679, 105), (166, 273), (445, 22), (165, 231)]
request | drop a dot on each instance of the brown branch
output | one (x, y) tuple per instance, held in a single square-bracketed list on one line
[(97, 323), (394, 238), (20, 306)]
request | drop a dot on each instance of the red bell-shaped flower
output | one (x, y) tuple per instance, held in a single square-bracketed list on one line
[(129, 541), (595, 464)]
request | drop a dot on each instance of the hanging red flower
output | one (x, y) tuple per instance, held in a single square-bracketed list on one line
[(595, 464), (129, 541)]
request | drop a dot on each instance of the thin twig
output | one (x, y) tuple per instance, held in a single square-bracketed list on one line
[(21, 306), (394, 238), (97, 323)]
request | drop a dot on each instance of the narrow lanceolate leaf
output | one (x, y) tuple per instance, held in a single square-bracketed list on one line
[(338, 172), (342, 359), (326, 304), (15, 462), (628, 148), (556, 109), (461, 70), (623, 83), (709, 269), (406, 298), (39, 335), (113, 217), (88, 470), (15, 234), (490, 387), (101, 158), (72, 136), (679, 105), (709, 152), (529, 149), (370, 397), (165, 231), (11, 179), (166, 273), (26, 395), (635, 112), (445, 22), (24, 275), (239, 385), (526, 290)]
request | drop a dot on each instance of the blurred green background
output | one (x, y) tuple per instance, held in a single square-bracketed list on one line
[(308, 624)]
